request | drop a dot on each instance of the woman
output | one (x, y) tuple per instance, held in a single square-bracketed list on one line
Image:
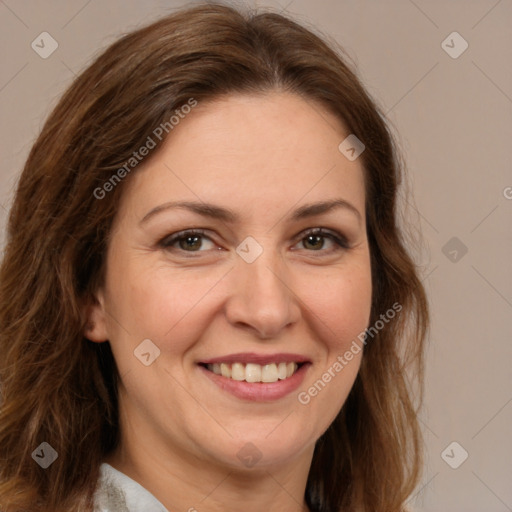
[(206, 299)]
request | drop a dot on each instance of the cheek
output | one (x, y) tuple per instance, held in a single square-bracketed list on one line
[(163, 304), (341, 304), (172, 307), (340, 308)]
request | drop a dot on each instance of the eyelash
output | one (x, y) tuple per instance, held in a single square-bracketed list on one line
[(339, 240)]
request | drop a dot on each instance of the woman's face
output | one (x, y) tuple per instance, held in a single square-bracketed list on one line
[(253, 287)]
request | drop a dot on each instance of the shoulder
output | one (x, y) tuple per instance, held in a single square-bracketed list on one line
[(109, 494), (117, 492)]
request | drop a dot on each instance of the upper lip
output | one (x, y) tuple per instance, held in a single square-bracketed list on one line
[(261, 359)]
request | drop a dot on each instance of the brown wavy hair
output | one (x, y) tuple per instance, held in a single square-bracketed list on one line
[(60, 388)]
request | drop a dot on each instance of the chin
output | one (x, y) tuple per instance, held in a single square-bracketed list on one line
[(259, 450)]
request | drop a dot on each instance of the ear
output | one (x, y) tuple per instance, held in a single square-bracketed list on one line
[(95, 320)]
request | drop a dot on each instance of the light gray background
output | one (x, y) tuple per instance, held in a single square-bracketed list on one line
[(454, 119)]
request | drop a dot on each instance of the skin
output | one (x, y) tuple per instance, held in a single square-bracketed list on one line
[(262, 156)]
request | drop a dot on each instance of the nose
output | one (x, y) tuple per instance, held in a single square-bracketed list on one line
[(262, 298)]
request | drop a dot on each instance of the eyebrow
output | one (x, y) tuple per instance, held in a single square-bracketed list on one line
[(229, 216)]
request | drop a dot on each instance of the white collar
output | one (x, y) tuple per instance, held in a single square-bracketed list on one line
[(117, 492)]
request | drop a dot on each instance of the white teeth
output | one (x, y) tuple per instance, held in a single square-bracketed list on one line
[(269, 373), (282, 371), (237, 371), (252, 372), (225, 370)]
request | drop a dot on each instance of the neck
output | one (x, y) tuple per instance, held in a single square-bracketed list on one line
[(184, 482)]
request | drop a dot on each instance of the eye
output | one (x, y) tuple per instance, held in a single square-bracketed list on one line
[(315, 239), (188, 241), (192, 240)]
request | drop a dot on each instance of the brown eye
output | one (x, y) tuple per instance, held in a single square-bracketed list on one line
[(190, 242), (186, 241), (314, 240)]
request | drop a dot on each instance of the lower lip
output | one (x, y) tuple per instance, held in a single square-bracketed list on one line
[(259, 391)]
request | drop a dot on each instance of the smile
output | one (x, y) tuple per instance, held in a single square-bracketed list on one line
[(252, 372), (245, 380)]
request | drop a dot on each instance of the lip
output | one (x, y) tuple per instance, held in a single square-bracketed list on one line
[(252, 357), (258, 391)]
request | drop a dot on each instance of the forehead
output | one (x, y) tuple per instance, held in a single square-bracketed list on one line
[(251, 153)]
